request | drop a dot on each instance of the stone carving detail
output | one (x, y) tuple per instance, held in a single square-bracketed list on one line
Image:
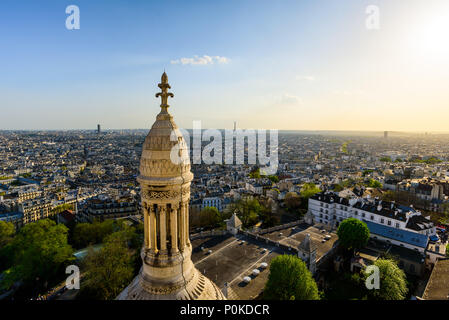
[(166, 290), (162, 168), (161, 144), (162, 194)]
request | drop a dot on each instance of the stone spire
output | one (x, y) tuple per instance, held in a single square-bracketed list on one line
[(305, 246), (167, 272), (164, 94)]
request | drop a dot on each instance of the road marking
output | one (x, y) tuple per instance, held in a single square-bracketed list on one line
[(252, 266), (214, 252)]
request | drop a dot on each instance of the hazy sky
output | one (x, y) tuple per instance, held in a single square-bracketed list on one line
[(300, 64)]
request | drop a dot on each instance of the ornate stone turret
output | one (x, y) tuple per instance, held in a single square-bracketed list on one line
[(167, 272)]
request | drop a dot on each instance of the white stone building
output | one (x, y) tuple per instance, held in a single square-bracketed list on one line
[(330, 208)]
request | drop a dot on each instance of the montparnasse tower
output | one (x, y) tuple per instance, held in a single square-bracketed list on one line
[(168, 272)]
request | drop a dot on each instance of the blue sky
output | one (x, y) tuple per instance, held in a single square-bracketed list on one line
[(288, 64)]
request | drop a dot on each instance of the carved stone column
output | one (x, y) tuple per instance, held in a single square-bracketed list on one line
[(181, 228), (145, 226), (163, 229), (186, 216), (173, 228), (152, 227)]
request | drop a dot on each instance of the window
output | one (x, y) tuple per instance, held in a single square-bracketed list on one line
[(389, 222), (397, 225), (382, 220), (363, 214), (372, 217)]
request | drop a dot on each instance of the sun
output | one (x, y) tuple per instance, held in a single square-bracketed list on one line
[(429, 36)]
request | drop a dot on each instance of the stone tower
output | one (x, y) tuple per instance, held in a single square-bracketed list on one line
[(307, 252), (168, 272)]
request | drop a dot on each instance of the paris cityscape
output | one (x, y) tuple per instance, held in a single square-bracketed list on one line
[(79, 178), (165, 176)]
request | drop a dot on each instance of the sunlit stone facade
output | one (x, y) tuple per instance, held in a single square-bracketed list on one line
[(167, 272)]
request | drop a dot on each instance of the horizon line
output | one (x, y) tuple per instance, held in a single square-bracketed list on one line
[(280, 130)]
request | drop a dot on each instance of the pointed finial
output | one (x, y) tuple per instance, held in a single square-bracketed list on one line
[(164, 94)]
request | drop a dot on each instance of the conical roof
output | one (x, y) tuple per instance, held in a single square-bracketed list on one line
[(234, 221), (306, 245)]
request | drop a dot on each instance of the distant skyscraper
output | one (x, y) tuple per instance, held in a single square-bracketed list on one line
[(98, 128), (385, 134), (235, 125)]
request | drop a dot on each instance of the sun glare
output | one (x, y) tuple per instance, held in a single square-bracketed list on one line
[(429, 37)]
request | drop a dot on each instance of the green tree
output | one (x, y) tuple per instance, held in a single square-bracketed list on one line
[(344, 147), (85, 234), (433, 160), (374, 184), (292, 201), (274, 179), (338, 187), (385, 159), (308, 190), (353, 233), (348, 183), (444, 219), (289, 279), (109, 270), (39, 253), (255, 174), (210, 216), (248, 210), (393, 282), (7, 231)]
